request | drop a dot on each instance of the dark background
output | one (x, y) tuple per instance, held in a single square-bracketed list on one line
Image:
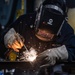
[(10, 10)]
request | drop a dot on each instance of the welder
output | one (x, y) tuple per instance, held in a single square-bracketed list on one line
[(47, 31)]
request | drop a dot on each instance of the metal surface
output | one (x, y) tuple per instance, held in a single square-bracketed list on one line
[(27, 65), (68, 67), (11, 65)]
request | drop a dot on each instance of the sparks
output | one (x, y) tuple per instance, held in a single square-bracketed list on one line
[(30, 56)]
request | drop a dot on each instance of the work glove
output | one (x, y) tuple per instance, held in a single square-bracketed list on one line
[(13, 40), (50, 56)]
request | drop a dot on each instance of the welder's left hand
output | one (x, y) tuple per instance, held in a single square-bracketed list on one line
[(13, 40), (50, 56)]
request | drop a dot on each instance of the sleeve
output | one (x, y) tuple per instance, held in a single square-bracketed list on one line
[(16, 25), (71, 48), (19, 25), (69, 41)]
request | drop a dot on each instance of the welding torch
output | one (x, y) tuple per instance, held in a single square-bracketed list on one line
[(19, 38)]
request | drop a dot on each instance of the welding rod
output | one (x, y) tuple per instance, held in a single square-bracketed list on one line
[(26, 48), (18, 35), (24, 45)]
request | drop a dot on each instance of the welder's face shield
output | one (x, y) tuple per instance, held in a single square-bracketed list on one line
[(49, 21)]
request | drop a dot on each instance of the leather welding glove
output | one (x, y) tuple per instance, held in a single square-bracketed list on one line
[(13, 40), (50, 56)]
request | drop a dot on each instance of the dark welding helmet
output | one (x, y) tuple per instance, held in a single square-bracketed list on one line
[(50, 16)]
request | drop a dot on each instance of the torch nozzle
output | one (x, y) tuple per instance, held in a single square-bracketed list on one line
[(25, 48), (20, 39)]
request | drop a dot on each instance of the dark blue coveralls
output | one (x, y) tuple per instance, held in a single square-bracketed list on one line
[(24, 25)]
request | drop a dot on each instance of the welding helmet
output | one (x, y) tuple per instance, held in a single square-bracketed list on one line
[(51, 16)]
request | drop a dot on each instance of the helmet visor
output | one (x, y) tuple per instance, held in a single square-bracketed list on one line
[(50, 18)]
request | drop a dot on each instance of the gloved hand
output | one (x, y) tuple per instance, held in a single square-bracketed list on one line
[(13, 40), (50, 56)]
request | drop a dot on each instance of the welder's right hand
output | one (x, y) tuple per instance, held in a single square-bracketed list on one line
[(13, 40)]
